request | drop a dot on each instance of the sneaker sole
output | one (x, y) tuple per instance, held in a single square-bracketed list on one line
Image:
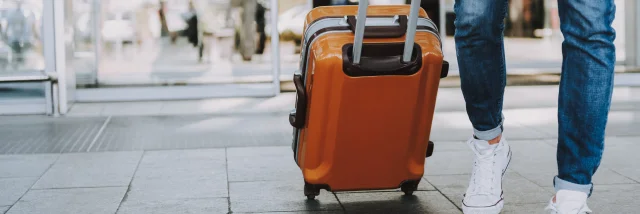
[(495, 209)]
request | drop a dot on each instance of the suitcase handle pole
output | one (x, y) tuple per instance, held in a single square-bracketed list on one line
[(410, 35), (411, 30), (360, 24)]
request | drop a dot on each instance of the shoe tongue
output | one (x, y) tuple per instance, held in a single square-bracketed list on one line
[(570, 202), (566, 195), (484, 148)]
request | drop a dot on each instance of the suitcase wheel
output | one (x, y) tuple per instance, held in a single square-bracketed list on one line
[(311, 191), (408, 187)]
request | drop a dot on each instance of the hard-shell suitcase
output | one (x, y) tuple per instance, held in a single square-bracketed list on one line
[(365, 103)]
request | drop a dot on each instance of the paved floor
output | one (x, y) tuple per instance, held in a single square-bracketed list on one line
[(233, 156)]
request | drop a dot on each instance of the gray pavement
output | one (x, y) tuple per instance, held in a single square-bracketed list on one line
[(233, 156)]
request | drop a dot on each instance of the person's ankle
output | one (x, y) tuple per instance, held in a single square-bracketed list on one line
[(495, 140)]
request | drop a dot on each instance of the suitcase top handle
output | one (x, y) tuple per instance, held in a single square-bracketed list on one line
[(381, 31), (410, 30)]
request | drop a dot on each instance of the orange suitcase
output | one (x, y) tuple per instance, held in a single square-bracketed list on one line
[(363, 111)]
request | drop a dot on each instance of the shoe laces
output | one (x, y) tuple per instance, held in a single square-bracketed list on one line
[(483, 174)]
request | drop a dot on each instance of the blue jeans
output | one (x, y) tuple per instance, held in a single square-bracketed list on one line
[(585, 88)]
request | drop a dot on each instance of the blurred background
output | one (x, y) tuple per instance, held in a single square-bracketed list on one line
[(181, 106), (98, 50)]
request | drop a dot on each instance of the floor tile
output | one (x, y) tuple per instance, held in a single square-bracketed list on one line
[(631, 173), (425, 185), (606, 176), (623, 123), (4, 209), (536, 161), (205, 205), (448, 146), (48, 135), (132, 108), (194, 132), (25, 165), (615, 198), (78, 200), (86, 109), (91, 170), (517, 189), (180, 174), (420, 202), (262, 164), (512, 208), (223, 105), (455, 126), (238, 152), (11, 189), (449, 162), (621, 152), (277, 196), (619, 123)]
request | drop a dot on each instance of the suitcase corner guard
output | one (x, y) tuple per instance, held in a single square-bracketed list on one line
[(298, 115)]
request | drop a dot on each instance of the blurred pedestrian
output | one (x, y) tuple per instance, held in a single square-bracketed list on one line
[(248, 30), (19, 30), (261, 24)]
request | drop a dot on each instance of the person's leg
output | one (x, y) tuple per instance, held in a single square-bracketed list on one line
[(480, 50), (585, 90)]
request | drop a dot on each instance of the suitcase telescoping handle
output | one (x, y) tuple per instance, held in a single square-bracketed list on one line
[(410, 35)]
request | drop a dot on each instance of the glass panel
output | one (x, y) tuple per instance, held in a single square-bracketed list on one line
[(151, 42), (620, 27), (532, 34), (84, 40), (21, 52), (20, 35)]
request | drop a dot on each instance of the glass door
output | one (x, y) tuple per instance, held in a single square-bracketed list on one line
[(533, 41), (188, 42)]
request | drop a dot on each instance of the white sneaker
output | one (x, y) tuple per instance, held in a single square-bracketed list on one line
[(484, 194), (569, 202)]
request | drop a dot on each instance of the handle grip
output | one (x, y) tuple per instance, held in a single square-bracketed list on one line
[(381, 31)]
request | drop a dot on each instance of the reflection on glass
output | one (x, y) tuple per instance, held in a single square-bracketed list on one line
[(532, 34), (20, 40), (194, 41), (84, 40)]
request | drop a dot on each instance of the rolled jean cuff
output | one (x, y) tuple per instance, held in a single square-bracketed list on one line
[(489, 134), (560, 184)]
